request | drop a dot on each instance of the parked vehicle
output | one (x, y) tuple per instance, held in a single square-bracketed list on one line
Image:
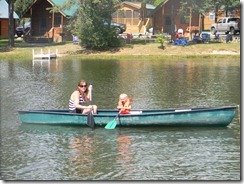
[(20, 30), (226, 24), (119, 28)]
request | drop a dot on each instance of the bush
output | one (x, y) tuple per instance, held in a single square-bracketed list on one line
[(99, 38), (161, 40)]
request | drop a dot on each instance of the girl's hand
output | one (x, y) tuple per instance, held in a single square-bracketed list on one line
[(90, 107), (90, 87)]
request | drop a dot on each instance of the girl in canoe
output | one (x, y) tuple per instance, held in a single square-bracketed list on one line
[(124, 104), (81, 96)]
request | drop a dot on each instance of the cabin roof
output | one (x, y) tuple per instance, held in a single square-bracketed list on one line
[(158, 7), (66, 12), (138, 5), (4, 10)]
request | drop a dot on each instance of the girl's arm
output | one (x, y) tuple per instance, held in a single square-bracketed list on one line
[(77, 102), (88, 97)]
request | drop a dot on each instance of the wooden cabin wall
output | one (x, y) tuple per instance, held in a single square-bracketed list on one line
[(4, 28)]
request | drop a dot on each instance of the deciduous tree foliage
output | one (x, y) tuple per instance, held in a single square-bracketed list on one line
[(204, 6), (88, 23), (21, 5), (188, 7)]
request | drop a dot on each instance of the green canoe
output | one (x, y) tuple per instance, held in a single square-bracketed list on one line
[(213, 116)]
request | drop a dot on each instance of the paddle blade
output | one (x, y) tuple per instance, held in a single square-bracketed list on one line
[(111, 124), (90, 120)]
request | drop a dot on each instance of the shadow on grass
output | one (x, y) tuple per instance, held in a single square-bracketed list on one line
[(4, 44), (5, 48), (89, 51), (27, 45)]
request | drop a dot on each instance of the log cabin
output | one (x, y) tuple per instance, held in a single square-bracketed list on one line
[(4, 19)]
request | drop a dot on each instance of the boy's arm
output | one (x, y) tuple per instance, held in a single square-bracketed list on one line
[(120, 106)]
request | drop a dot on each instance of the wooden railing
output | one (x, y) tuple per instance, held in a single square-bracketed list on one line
[(27, 35), (54, 33), (135, 25), (143, 28), (127, 21)]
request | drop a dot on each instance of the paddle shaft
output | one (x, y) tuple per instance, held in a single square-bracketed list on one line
[(118, 114), (90, 93), (90, 118)]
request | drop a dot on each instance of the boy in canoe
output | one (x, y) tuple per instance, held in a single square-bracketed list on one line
[(124, 104)]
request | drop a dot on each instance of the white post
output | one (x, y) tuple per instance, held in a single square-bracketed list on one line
[(33, 54), (33, 57), (49, 54)]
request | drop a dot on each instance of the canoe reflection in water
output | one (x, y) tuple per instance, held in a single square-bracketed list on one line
[(125, 155), (83, 155), (89, 157)]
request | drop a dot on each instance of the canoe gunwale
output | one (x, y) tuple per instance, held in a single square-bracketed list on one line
[(214, 116), (144, 112)]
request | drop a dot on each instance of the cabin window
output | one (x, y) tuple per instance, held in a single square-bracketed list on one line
[(128, 14), (57, 19), (168, 21), (121, 14), (184, 20), (136, 14), (211, 16), (149, 12)]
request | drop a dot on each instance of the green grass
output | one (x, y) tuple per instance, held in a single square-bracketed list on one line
[(138, 49)]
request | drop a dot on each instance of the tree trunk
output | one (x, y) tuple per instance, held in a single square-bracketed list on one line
[(190, 32), (11, 23), (216, 13), (172, 22)]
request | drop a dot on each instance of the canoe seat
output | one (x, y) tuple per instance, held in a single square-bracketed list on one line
[(182, 110), (135, 112)]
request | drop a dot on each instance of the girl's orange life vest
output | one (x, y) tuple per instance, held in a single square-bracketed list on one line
[(125, 104)]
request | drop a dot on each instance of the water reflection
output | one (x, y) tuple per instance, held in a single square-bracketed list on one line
[(83, 156), (125, 155), (161, 153)]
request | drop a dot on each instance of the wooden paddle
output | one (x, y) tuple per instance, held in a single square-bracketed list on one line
[(90, 118), (112, 124)]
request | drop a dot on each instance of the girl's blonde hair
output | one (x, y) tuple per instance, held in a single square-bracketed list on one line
[(123, 96)]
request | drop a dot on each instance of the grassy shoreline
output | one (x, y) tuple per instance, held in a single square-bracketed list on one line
[(127, 51)]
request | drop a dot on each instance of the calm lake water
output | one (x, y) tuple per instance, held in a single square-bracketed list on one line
[(42, 152)]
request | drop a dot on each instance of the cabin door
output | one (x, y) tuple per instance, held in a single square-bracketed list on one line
[(43, 26), (167, 25)]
